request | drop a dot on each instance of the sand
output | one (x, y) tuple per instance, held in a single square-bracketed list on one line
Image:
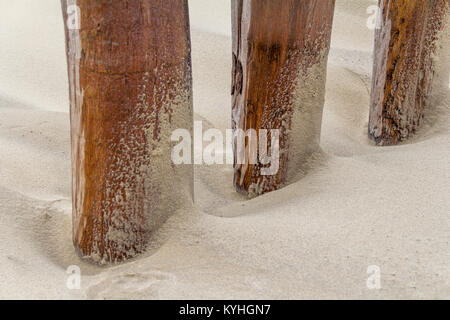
[(356, 206)]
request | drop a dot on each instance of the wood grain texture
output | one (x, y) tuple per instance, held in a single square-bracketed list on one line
[(130, 80), (280, 50), (404, 67)]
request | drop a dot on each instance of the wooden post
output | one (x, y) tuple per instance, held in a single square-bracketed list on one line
[(280, 52), (404, 68), (130, 80)]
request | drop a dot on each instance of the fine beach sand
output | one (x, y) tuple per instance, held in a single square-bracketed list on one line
[(356, 206)]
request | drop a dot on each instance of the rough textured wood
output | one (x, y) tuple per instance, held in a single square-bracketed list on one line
[(130, 86), (404, 65), (280, 50)]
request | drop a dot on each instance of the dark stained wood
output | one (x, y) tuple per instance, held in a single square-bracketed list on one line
[(276, 46), (404, 67), (130, 86)]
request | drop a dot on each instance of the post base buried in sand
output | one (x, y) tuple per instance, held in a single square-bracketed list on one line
[(406, 45), (130, 86)]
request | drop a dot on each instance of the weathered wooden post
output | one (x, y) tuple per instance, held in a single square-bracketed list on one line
[(280, 52), (406, 43), (130, 80)]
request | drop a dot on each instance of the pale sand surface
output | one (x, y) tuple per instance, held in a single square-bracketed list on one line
[(357, 205)]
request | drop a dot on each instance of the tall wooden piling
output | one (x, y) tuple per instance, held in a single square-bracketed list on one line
[(130, 80), (280, 51), (406, 43)]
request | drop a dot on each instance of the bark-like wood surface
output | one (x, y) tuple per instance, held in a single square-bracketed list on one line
[(280, 50), (404, 67), (130, 85)]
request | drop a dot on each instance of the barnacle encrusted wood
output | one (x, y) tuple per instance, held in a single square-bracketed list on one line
[(280, 52), (406, 43), (130, 80)]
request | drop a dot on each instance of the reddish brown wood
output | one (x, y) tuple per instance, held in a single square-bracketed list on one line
[(130, 86), (280, 50), (404, 67)]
